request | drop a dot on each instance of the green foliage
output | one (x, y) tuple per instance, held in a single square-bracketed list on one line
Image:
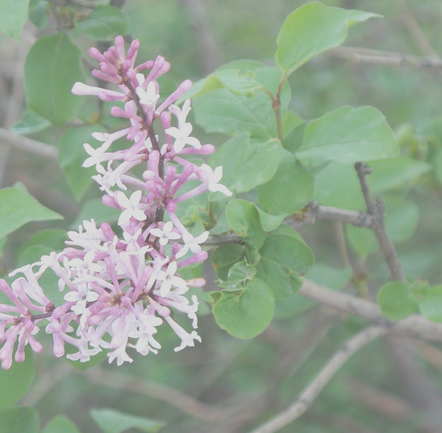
[(60, 424), (245, 313), (397, 301), (104, 23), (311, 30), (284, 261), (431, 304), (347, 135), (280, 195), (253, 164), (29, 122), (52, 67), (224, 258), (19, 419), (273, 161), (18, 208), (112, 421), (72, 156), (13, 14), (243, 218), (17, 381)]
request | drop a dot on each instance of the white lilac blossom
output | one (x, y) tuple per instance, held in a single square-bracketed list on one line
[(118, 290)]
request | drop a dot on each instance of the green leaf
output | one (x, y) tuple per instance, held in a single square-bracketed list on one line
[(267, 76), (13, 15), (17, 381), (246, 313), (19, 419), (293, 141), (321, 273), (387, 175), (238, 276), (431, 305), (232, 79), (224, 258), (18, 208), (112, 421), (362, 240), (393, 173), (85, 366), (270, 222), (284, 261), (39, 13), (51, 238), (95, 209), (104, 23), (348, 135), (290, 122), (311, 30), (290, 189), (401, 217), (29, 122), (224, 111), (253, 164), (72, 155), (52, 67), (60, 424), (396, 300), (244, 220)]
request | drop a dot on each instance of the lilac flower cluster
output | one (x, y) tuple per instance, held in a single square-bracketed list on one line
[(120, 289)]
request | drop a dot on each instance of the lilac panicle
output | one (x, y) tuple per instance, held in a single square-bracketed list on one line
[(120, 289)]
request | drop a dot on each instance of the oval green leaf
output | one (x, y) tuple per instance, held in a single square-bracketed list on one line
[(397, 301), (245, 314), (348, 135), (60, 424), (17, 381), (291, 188), (104, 23), (431, 305), (72, 156), (243, 218), (401, 217), (52, 67), (224, 258), (18, 208), (311, 30), (13, 15), (19, 420), (284, 261), (112, 421), (253, 165)]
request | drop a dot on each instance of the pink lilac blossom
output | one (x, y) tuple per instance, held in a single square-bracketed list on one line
[(120, 289)]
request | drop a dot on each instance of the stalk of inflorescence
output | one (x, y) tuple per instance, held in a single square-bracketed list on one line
[(120, 288)]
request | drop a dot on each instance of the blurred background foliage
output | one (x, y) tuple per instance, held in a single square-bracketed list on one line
[(248, 381)]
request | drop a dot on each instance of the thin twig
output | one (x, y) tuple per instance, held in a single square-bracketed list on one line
[(164, 393), (338, 422), (316, 386), (28, 145), (414, 326), (380, 401), (311, 214), (314, 212), (385, 58), (377, 210), (416, 32)]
